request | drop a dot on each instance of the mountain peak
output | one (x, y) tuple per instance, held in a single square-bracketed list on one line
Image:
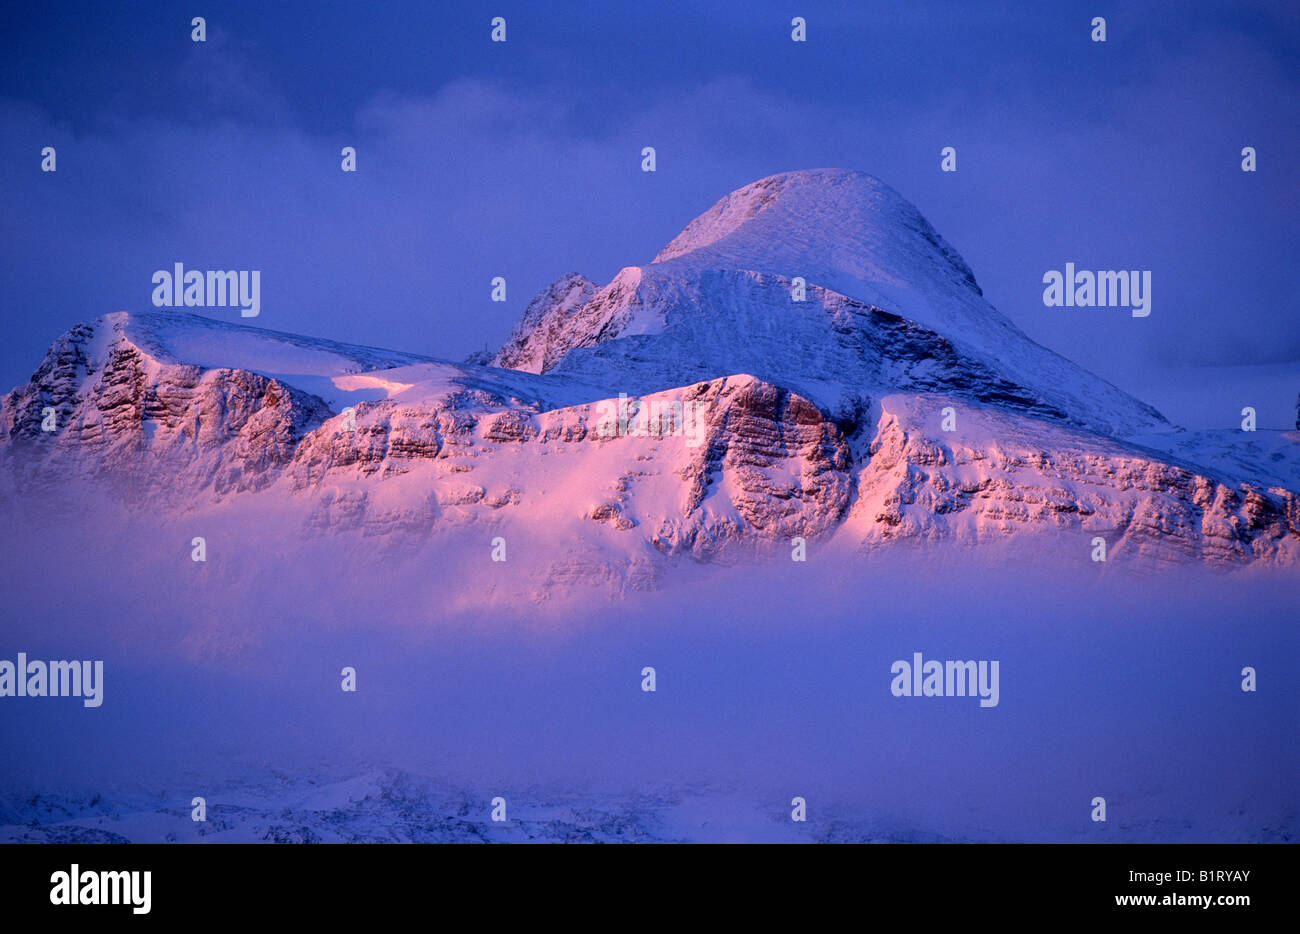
[(847, 228), (827, 282)]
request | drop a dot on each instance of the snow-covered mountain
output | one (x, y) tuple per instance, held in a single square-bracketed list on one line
[(890, 306), (822, 418)]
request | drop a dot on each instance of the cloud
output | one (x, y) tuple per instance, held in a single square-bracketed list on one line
[(221, 79)]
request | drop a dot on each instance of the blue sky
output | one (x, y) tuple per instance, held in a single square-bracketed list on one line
[(522, 160)]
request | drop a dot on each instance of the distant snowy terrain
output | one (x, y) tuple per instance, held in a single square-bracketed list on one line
[(396, 807)]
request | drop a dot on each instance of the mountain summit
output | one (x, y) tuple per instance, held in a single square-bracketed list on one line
[(808, 360), (886, 305)]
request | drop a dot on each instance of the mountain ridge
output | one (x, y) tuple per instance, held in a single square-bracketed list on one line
[(830, 418)]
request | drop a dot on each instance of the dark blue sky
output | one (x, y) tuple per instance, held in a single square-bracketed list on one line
[(522, 160)]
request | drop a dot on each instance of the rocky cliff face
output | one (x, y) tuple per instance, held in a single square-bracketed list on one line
[(1001, 475), (539, 339), (168, 429), (870, 410)]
